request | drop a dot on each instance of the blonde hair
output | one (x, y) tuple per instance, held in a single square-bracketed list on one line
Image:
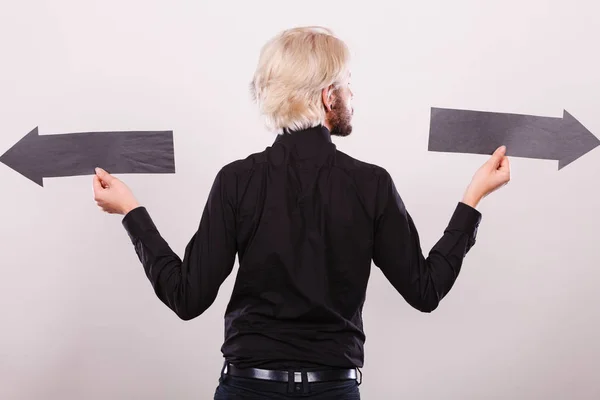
[(293, 68)]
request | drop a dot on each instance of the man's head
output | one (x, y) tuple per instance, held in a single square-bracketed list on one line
[(302, 80)]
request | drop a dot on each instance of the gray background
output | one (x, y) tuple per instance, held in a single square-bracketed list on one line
[(79, 318)]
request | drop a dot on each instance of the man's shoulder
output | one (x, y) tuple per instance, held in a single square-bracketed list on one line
[(354, 165), (244, 165)]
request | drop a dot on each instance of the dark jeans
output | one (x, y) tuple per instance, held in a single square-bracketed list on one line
[(234, 388)]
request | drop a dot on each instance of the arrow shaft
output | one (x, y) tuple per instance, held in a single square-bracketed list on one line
[(476, 132), (117, 152)]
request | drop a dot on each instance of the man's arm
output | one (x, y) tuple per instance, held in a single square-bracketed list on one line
[(422, 281), (188, 286)]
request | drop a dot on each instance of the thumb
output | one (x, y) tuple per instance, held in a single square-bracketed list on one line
[(498, 155), (104, 176)]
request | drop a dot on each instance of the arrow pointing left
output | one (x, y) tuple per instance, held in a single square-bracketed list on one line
[(38, 156)]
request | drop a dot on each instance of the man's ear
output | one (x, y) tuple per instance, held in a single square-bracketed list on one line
[(327, 97)]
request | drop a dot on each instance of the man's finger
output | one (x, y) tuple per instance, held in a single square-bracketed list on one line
[(97, 185), (499, 153), (496, 157), (103, 175)]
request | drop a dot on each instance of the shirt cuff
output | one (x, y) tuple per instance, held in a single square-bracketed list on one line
[(465, 219), (137, 222)]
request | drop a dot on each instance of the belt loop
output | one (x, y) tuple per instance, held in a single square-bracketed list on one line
[(305, 387), (360, 375), (291, 384)]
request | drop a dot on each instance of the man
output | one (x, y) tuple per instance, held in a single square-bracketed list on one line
[(305, 220)]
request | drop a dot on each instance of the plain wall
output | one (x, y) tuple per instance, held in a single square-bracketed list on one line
[(79, 317)]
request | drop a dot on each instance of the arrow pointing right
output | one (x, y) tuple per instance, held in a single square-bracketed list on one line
[(462, 131)]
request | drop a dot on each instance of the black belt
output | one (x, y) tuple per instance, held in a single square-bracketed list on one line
[(293, 376)]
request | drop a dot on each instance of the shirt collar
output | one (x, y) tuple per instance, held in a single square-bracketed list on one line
[(306, 142), (314, 136)]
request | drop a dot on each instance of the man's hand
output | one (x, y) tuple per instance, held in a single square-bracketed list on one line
[(112, 195), (492, 175)]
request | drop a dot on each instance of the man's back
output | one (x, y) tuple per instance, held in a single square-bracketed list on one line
[(305, 225)]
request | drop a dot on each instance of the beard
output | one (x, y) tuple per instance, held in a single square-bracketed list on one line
[(340, 118)]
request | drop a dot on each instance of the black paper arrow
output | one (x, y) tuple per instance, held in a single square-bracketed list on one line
[(43, 156), (461, 131)]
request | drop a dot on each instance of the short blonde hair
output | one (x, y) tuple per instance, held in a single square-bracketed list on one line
[(293, 68)]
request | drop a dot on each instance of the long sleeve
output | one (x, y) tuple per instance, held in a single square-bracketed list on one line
[(190, 285), (422, 281)]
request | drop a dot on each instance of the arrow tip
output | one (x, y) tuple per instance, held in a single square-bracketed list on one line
[(18, 157), (580, 140)]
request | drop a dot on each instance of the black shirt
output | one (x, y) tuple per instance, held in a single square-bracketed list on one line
[(305, 220)]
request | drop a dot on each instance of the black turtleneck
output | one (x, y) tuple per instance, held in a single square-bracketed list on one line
[(306, 221)]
